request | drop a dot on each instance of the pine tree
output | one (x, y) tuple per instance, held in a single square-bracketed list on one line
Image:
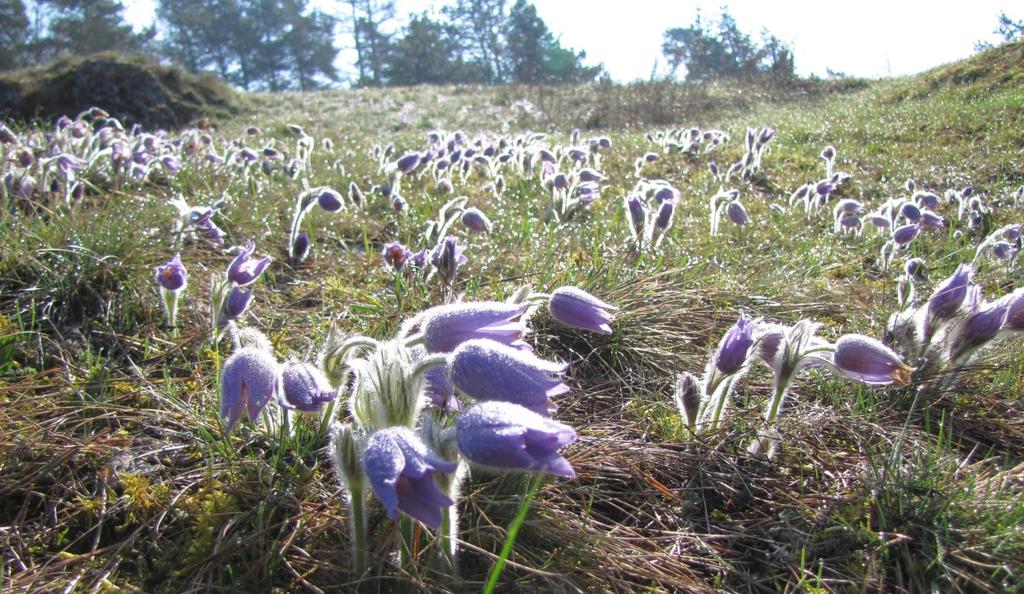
[(14, 27)]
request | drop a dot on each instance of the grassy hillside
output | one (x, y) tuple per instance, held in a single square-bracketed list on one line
[(116, 474)]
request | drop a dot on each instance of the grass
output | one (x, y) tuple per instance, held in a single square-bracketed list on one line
[(115, 475)]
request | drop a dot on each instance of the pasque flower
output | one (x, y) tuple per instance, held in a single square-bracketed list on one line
[(447, 258), (305, 387), (735, 346), (247, 383), (867, 360), (488, 370), (475, 220), (395, 255), (945, 302), (507, 436), (401, 471), (172, 275), (977, 328), (448, 326), (244, 269), (576, 308)]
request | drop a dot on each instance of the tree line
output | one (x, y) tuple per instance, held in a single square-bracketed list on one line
[(279, 45)]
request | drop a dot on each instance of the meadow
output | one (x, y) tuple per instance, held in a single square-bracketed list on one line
[(135, 458)]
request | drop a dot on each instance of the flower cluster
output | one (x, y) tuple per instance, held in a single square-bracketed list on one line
[(456, 387), (704, 402), (230, 295), (942, 335)]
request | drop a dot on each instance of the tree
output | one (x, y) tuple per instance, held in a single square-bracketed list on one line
[(14, 27), (724, 51), (368, 22), (84, 27), (478, 28), (535, 56), (526, 37), (266, 44), (309, 45), (426, 53)]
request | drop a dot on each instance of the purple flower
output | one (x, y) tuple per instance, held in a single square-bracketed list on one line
[(979, 327), (236, 303), (637, 215), (1014, 311), (507, 436), (244, 270), (7, 136), (305, 387), (475, 220), (905, 234), (487, 370), (911, 211), (930, 220), (737, 214), (448, 326), (663, 220), (401, 471), (915, 269), (447, 258), (828, 153), (867, 360), (949, 295), (247, 383), (395, 254), (301, 247), (330, 200), (408, 162), (769, 338), (590, 175), (1003, 250), (666, 194), (172, 275), (928, 200), (576, 308), (419, 259), (735, 346)]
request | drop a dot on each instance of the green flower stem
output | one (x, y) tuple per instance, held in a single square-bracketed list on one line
[(357, 520)]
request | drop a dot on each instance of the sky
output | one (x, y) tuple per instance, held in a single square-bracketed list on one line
[(866, 38)]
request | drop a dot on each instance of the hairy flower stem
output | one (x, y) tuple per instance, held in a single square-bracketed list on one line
[(357, 522), (170, 301), (449, 522)]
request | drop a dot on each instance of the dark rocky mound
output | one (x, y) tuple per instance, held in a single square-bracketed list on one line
[(133, 89)]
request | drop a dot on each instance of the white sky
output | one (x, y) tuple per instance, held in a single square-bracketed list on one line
[(870, 38)]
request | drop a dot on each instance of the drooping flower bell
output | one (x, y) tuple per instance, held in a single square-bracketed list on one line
[(487, 370), (330, 200), (446, 327), (305, 387), (401, 469), (867, 360), (508, 437), (407, 162), (247, 383), (476, 221), (576, 308)]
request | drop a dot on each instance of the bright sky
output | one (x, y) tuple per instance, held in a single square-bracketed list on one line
[(869, 38)]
